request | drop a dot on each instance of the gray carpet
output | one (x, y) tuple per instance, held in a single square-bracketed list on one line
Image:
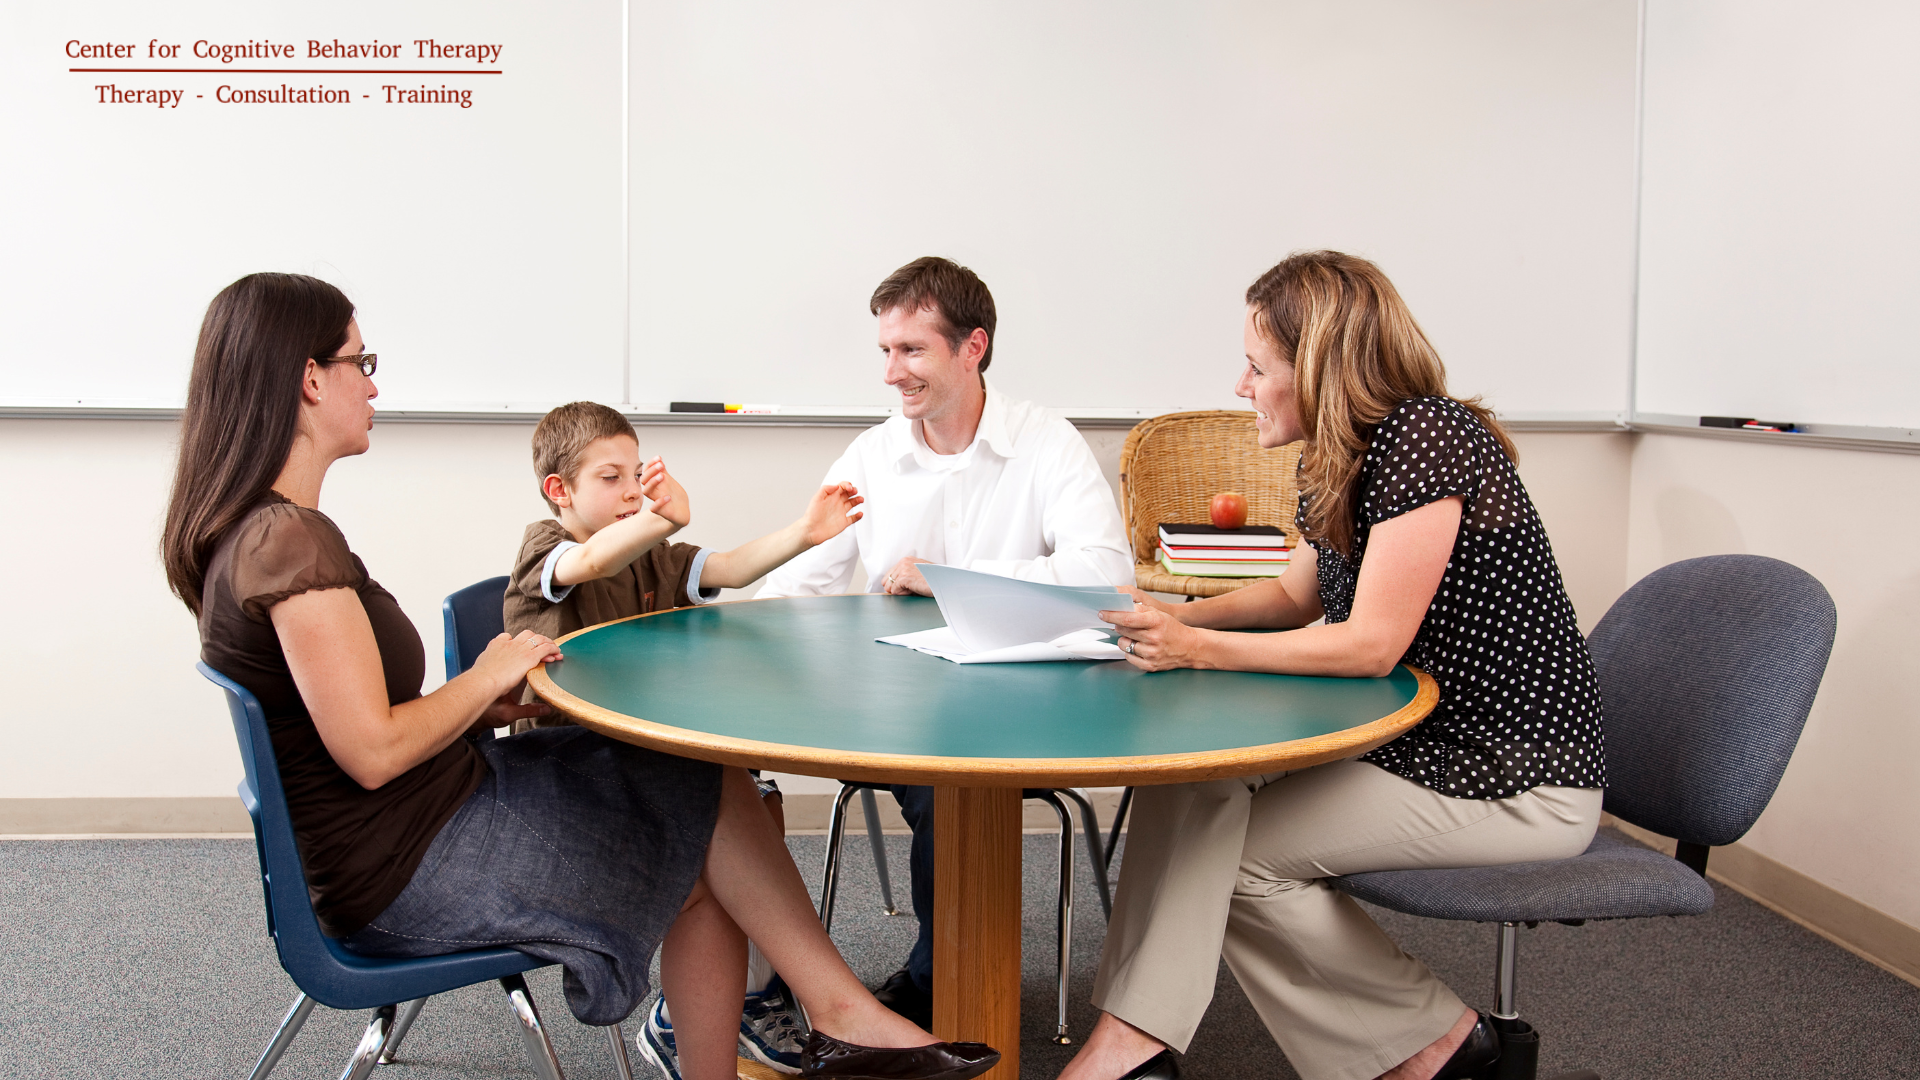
[(148, 958)]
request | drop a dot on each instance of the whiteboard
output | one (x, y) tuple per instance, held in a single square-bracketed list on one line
[(1780, 220), (1117, 173), (482, 244)]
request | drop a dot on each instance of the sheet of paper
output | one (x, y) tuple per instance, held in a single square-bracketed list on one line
[(943, 643), (987, 611)]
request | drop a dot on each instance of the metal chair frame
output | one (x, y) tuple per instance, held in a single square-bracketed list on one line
[(1098, 859)]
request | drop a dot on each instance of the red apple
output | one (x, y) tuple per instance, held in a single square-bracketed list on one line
[(1228, 511)]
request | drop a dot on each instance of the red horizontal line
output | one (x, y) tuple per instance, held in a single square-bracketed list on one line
[(294, 71)]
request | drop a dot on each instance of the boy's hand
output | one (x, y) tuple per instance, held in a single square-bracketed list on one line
[(830, 512), (668, 497)]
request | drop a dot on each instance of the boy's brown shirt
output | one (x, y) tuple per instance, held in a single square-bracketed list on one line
[(655, 581)]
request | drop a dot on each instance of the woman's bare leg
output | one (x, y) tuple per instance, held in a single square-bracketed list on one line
[(1424, 1064), (703, 975), (752, 875), (1113, 1049)]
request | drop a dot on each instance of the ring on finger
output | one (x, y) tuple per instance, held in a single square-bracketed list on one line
[(1129, 646)]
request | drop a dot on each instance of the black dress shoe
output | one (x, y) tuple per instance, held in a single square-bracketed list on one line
[(826, 1056), (1161, 1066), (901, 994), (1476, 1055)]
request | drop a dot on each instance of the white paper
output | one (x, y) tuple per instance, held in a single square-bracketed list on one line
[(987, 611), (942, 642)]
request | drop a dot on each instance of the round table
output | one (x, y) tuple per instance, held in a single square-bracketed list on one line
[(800, 685)]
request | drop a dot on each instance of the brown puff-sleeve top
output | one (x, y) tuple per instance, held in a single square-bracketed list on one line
[(359, 847)]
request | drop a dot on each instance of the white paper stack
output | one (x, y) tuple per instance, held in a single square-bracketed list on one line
[(1000, 620)]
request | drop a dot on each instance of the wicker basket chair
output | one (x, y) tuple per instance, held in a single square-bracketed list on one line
[(1172, 466)]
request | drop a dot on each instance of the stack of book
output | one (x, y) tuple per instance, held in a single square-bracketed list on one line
[(1207, 551)]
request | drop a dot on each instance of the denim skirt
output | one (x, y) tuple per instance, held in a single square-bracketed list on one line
[(575, 848)]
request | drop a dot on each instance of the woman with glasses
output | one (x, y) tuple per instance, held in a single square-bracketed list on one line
[(416, 841)]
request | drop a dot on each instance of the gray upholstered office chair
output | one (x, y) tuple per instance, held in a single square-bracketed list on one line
[(1707, 668), (1097, 860)]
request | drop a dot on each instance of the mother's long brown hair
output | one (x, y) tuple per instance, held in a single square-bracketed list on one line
[(243, 409), (1357, 353)]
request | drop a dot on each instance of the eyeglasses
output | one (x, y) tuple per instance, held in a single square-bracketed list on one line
[(366, 361)]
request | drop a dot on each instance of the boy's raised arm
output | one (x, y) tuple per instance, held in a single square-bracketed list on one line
[(613, 548), (830, 512)]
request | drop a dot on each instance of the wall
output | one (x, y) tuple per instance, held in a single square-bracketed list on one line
[(101, 656), (1845, 814)]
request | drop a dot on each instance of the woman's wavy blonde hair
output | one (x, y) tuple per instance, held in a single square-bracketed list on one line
[(1357, 353)]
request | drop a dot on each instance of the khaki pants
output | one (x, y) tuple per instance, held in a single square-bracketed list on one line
[(1236, 866)]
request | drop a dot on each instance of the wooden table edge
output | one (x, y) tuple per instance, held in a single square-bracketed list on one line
[(981, 771)]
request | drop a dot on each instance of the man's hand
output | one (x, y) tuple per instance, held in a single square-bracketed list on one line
[(669, 499), (905, 579), (830, 512)]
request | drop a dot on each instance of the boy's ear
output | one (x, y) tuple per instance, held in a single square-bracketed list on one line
[(555, 488)]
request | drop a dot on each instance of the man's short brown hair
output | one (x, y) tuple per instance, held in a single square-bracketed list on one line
[(952, 290), (564, 434)]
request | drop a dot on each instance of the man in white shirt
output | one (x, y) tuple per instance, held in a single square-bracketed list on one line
[(966, 477)]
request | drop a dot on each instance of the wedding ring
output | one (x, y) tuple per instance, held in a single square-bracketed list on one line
[(1129, 646)]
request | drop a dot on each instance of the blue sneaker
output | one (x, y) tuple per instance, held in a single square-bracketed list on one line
[(771, 1031), (655, 1041)]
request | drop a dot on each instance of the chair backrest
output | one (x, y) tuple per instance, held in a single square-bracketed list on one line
[(473, 616), (290, 918), (1708, 668), (1172, 466)]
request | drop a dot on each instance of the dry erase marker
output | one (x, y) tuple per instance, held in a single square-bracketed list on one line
[(751, 410)]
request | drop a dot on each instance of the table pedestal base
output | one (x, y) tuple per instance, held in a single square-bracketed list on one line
[(976, 925)]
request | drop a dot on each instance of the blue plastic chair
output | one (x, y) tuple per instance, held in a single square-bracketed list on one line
[(472, 617), (327, 973), (1707, 669)]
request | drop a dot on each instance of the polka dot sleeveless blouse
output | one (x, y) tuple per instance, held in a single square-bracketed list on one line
[(1519, 703)]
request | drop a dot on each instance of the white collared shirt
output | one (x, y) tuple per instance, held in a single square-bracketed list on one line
[(1026, 500)]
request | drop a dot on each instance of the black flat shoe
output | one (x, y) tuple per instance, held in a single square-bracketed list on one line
[(901, 994), (1161, 1066), (826, 1056), (1476, 1055)]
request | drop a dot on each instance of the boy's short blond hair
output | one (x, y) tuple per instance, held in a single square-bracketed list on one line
[(562, 438)]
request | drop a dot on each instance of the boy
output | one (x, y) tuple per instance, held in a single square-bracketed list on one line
[(606, 558)]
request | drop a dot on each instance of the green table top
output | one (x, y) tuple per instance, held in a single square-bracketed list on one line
[(801, 682)]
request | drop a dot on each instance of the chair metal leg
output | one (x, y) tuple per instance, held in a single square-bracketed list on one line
[(617, 1035), (1113, 837), (830, 871), (372, 1041), (1065, 915), (290, 1026), (408, 1013), (1519, 1043), (1096, 852), (1506, 973), (879, 844), (533, 1035)]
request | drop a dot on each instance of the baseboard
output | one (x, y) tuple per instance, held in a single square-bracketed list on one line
[(1867, 932), (115, 817)]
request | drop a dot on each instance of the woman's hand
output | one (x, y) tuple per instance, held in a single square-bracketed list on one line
[(1154, 639), (506, 708), (506, 661)]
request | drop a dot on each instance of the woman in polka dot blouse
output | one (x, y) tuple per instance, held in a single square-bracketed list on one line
[(1424, 549)]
